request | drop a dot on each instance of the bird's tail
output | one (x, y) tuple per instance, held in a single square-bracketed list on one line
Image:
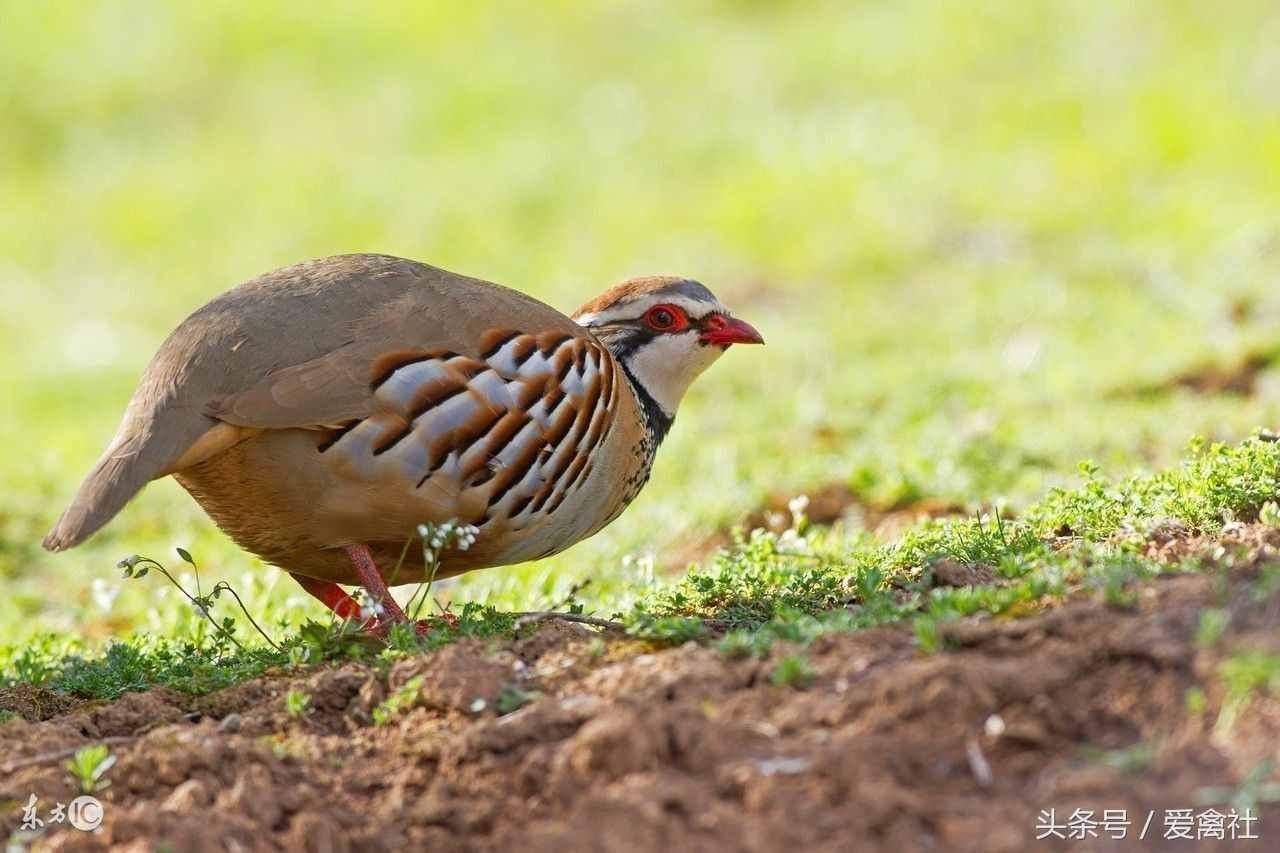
[(115, 479), (145, 447)]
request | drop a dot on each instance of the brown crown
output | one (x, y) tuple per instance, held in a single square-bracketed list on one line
[(634, 288)]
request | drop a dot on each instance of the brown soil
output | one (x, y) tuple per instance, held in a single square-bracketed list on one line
[(683, 749)]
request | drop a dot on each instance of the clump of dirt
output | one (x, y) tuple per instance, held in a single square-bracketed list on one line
[(1239, 377), (833, 502), (827, 504), (1172, 543), (34, 703), (1083, 706), (958, 574)]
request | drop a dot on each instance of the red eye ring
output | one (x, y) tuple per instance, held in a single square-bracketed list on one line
[(666, 318)]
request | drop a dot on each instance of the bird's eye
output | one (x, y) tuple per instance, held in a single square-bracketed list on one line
[(665, 318)]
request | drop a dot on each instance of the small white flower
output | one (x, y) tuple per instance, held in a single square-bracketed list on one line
[(791, 542), (645, 565), (798, 505), (783, 766), (104, 594)]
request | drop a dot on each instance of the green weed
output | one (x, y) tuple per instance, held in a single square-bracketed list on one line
[(1254, 789), (297, 703), (513, 698), (1133, 759), (89, 765), (1212, 625), (400, 701), (793, 671), (1244, 674), (928, 637)]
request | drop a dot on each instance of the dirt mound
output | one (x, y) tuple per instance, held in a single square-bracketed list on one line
[(568, 741)]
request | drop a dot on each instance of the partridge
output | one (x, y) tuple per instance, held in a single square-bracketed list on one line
[(322, 412)]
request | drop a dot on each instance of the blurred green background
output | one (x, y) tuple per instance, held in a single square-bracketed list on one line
[(984, 240)]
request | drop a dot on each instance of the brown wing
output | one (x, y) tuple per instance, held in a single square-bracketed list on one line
[(310, 361), (289, 348)]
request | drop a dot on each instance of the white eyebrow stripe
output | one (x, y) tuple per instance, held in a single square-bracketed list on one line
[(634, 309)]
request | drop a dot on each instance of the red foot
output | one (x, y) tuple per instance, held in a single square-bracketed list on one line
[(423, 627)]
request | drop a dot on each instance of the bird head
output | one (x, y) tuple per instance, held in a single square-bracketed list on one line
[(665, 331)]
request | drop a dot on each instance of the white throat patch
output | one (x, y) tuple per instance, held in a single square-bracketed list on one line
[(667, 365)]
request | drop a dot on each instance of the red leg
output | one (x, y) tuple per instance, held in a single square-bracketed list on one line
[(332, 595), (371, 579)]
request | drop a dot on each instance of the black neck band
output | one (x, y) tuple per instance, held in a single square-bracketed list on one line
[(656, 420)]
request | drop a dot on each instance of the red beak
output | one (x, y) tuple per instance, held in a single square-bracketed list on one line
[(722, 330)]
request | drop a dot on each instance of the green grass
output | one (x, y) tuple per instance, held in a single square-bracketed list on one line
[(980, 239), (794, 589), (769, 588)]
